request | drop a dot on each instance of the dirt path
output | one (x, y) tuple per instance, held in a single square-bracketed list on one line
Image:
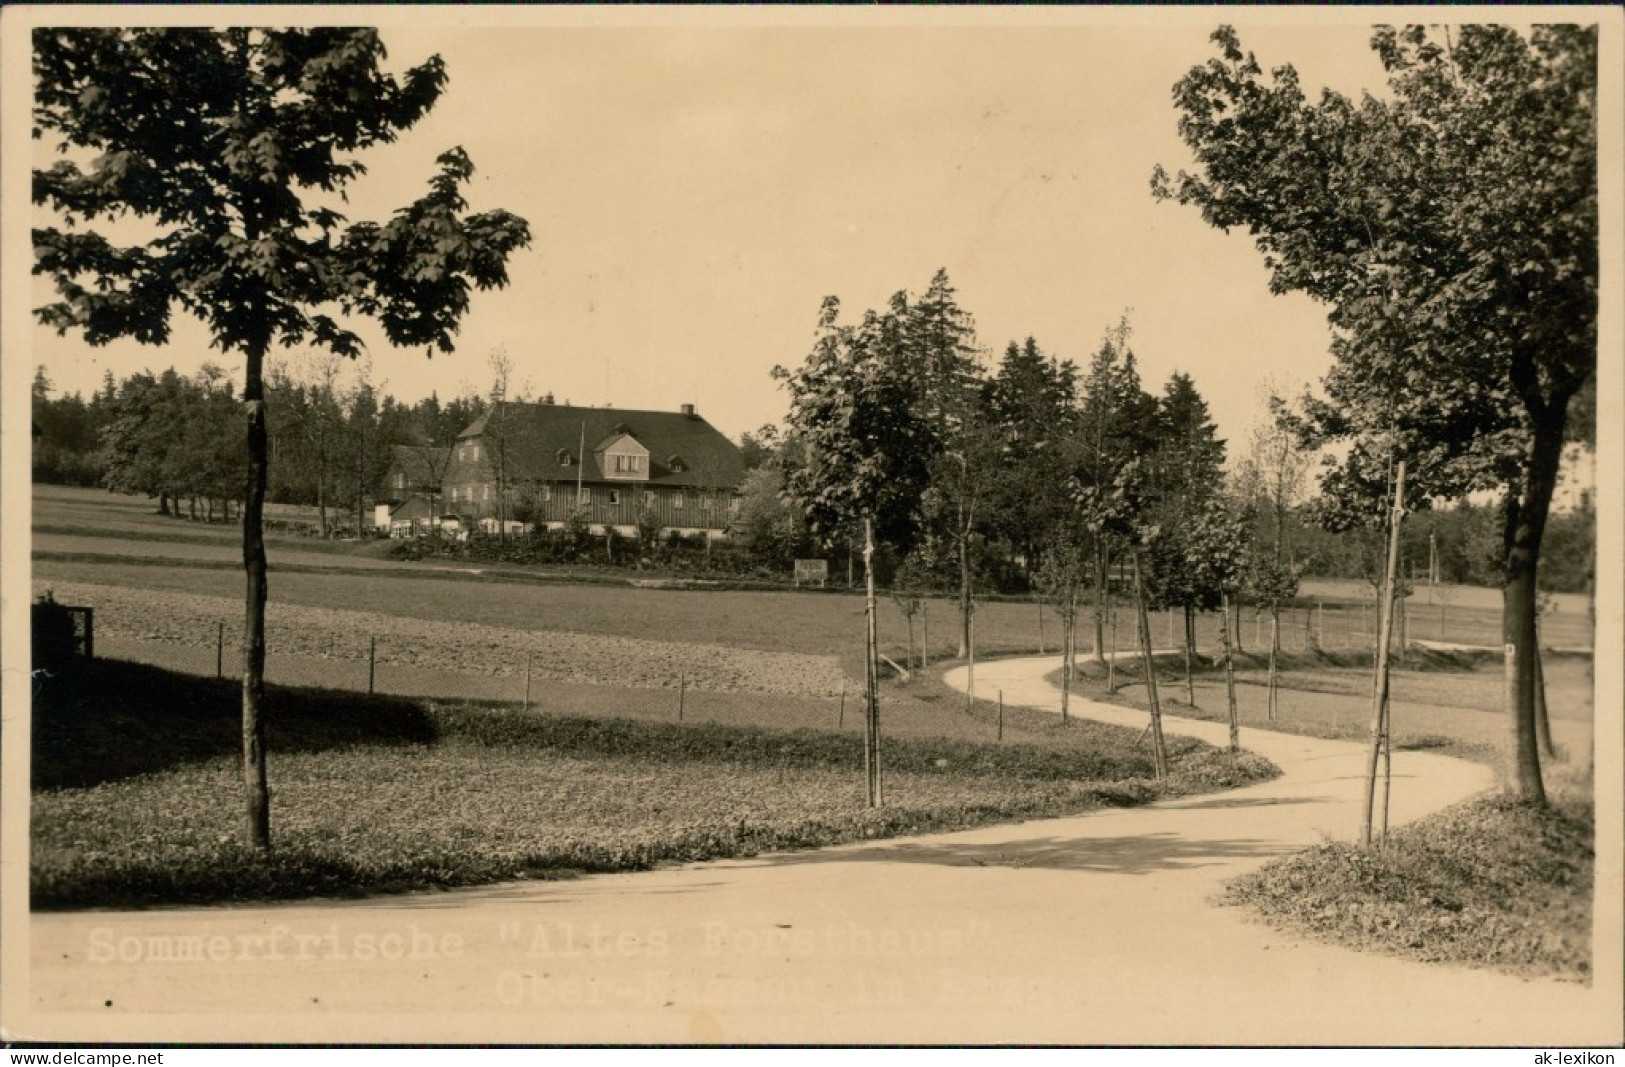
[(1095, 929)]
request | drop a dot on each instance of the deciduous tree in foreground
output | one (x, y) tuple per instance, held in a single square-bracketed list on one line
[(1451, 228), (232, 148)]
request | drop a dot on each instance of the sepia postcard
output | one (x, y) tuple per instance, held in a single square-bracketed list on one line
[(853, 525)]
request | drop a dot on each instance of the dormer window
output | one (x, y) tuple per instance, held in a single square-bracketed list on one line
[(675, 464), (565, 459), (625, 464)]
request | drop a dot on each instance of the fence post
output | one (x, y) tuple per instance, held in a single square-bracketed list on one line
[(1040, 627), (1001, 715), (682, 685), (841, 722), (372, 662), (220, 650), (527, 681)]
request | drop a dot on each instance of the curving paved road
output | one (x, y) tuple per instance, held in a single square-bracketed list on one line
[(1094, 929)]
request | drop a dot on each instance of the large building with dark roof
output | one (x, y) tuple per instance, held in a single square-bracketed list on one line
[(538, 462)]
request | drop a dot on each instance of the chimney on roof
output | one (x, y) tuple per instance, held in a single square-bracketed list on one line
[(688, 409)]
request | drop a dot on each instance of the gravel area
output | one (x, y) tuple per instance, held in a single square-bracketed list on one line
[(190, 620)]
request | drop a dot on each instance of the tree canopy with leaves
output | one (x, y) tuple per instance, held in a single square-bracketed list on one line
[(234, 148), (1451, 228), (874, 406), (1114, 430), (1033, 400)]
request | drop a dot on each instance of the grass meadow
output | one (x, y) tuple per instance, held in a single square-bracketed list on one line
[(137, 787)]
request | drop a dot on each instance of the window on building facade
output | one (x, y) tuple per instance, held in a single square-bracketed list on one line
[(400, 481), (485, 492), (547, 494), (628, 464), (564, 457), (677, 500), (476, 453), (614, 496)]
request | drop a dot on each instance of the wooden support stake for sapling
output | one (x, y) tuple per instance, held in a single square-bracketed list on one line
[(372, 662), (1040, 627), (527, 681), (682, 685), (841, 722), (1001, 715), (220, 651)]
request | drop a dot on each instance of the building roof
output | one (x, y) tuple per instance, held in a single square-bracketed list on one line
[(422, 464), (684, 449)]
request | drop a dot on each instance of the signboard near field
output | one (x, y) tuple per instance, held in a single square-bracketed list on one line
[(812, 570)]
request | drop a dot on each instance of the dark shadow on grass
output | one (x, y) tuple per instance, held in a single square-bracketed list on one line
[(558, 888), (102, 720), (1130, 854), (1240, 802)]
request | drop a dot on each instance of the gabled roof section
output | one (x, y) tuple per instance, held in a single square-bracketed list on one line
[(534, 434)]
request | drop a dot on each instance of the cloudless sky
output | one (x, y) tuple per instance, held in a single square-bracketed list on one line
[(695, 188)]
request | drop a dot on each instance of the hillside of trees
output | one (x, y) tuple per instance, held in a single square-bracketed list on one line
[(179, 439)]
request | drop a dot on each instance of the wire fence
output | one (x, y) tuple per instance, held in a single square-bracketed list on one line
[(537, 678)]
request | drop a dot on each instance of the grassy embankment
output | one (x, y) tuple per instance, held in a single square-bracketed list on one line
[(137, 790)]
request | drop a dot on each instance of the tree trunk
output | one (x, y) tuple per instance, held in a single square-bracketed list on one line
[(321, 495), (1159, 752), (970, 661), (925, 633), (1526, 526), (1275, 646), (964, 598), (360, 492), (1067, 626), (1190, 652), (1102, 599), (1379, 692), (163, 503), (254, 777), (871, 751), (910, 617), (1111, 660), (1229, 676)]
